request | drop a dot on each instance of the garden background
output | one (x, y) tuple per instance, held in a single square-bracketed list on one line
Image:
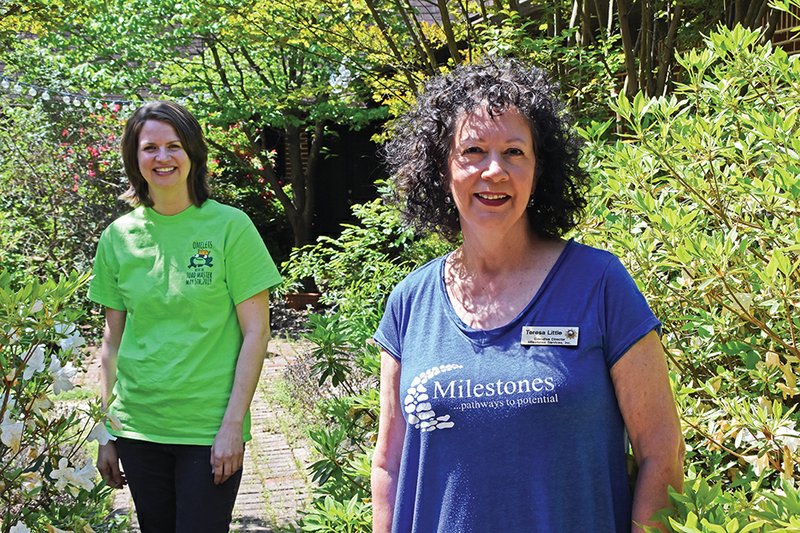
[(689, 109)]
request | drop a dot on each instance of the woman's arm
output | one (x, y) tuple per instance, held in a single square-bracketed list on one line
[(107, 459), (645, 398), (388, 448), (227, 452)]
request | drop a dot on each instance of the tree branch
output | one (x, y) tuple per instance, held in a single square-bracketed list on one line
[(447, 27)]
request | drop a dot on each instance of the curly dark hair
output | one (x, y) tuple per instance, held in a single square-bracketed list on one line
[(418, 152), (190, 134)]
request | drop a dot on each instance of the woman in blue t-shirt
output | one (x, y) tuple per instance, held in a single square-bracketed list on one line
[(516, 369)]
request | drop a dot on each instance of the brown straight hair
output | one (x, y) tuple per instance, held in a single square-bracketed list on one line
[(191, 136)]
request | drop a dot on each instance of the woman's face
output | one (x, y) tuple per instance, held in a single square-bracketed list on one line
[(491, 165), (163, 162)]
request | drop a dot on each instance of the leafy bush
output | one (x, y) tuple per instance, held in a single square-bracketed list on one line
[(356, 272), (46, 478), (60, 176), (700, 197)]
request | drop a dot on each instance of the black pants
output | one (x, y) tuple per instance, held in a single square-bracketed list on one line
[(173, 487)]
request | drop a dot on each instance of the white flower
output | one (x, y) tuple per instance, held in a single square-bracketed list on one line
[(759, 463), (114, 421), (11, 433), (62, 474), (35, 362), (69, 478), (31, 482), (73, 337), (788, 437), (37, 306), (61, 375), (84, 477), (100, 434), (19, 527), (40, 404)]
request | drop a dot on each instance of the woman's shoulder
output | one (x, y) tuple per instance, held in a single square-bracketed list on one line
[(590, 256), (124, 223), (421, 277)]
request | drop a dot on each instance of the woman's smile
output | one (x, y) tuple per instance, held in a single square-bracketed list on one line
[(492, 199)]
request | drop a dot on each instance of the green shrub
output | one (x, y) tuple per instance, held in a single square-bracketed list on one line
[(355, 272), (700, 196), (60, 175)]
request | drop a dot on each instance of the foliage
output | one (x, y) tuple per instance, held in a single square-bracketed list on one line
[(699, 197), (705, 507), (251, 71), (60, 176), (46, 480), (331, 516), (356, 271)]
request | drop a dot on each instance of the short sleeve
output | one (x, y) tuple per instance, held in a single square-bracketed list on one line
[(625, 315), (249, 268), (103, 288), (389, 333)]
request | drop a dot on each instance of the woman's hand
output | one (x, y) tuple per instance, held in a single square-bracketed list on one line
[(108, 465), (227, 452)]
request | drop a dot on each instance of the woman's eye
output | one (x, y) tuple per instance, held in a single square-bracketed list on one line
[(472, 150), (148, 148), (514, 151)]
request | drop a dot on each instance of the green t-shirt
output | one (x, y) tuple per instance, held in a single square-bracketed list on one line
[(179, 279)]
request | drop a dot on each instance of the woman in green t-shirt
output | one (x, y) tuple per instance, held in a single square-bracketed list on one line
[(185, 284)]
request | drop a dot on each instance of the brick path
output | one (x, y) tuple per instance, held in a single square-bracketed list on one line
[(275, 485)]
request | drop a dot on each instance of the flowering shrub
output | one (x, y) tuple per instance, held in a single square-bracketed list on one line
[(46, 478), (60, 174)]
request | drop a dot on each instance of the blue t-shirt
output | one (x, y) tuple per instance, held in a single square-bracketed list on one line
[(513, 436)]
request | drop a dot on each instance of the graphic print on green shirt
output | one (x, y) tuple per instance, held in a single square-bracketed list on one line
[(179, 279)]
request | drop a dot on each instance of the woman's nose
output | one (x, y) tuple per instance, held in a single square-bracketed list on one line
[(162, 154), (494, 168)]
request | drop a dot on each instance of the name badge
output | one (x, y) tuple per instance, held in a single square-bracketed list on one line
[(549, 336)]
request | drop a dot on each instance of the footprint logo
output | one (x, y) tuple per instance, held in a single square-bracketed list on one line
[(417, 405)]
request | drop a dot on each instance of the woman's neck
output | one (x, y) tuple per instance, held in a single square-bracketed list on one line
[(490, 282), (492, 255), (167, 205)]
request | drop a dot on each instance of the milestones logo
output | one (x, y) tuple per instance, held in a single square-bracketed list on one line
[(417, 405), (508, 394), (500, 393)]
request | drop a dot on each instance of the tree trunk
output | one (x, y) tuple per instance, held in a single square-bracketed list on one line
[(645, 41), (447, 27), (632, 80), (668, 50)]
